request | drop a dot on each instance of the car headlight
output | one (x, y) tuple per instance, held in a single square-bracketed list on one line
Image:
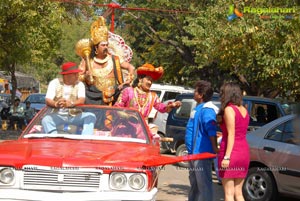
[(118, 181), (7, 175), (136, 181), (128, 181)]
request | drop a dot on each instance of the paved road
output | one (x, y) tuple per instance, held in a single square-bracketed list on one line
[(173, 185)]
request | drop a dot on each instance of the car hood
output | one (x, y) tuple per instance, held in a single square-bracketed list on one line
[(85, 153)]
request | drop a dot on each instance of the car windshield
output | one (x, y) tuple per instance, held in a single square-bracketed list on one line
[(115, 124), (38, 98)]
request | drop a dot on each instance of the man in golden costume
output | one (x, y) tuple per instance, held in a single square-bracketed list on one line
[(103, 72)]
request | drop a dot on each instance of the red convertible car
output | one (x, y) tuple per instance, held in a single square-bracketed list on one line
[(119, 160)]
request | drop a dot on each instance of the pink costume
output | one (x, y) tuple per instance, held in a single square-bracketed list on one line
[(131, 97)]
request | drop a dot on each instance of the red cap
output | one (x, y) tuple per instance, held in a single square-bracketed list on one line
[(69, 68)]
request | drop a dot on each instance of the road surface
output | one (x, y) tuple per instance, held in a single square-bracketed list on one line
[(173, 185)]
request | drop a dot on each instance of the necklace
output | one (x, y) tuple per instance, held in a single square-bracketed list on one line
[(101, 61), (141, 99), (103, 72)]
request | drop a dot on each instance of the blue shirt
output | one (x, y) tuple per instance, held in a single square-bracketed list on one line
[(200, 127)]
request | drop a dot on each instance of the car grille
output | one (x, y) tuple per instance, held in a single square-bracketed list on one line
[(61, 180)]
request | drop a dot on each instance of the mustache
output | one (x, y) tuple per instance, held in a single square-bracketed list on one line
[(105, 51)]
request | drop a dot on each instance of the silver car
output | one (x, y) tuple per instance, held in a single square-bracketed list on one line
[(274, 163)]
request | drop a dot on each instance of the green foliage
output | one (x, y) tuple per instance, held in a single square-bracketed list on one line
[(155, 35), (203, 44), (73, 32), (261, 53), (31, 35), (196, 42), (29, 31)]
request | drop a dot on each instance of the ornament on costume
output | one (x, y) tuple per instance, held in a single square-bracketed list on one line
[(116, 44), (83, 49), (99, 31)]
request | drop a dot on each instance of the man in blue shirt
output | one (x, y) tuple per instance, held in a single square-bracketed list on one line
[(201, 137)]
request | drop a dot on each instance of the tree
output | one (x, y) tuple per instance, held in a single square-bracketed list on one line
[(203, 44), (195, 42), (155, 35), (262, 54), (30, 34)]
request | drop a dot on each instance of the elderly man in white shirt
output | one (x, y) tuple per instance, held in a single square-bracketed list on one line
[(63, 94)]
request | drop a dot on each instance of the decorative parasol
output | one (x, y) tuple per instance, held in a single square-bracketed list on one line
[(117, 46)]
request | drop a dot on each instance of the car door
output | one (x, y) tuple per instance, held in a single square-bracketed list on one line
[(178, 118), (261, 113), (280, 150)]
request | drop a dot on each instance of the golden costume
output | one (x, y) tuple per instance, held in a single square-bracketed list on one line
[(102, 77)]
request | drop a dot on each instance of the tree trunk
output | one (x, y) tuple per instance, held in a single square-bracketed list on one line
[(12, 70)]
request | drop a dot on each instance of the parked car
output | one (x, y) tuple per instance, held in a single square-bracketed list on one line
[(178, 118), (274, 152), (160, 121), (120, 160), (37, 101), (166, 92)]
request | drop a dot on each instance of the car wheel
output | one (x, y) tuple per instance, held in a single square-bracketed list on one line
[(182, 151), (163, 145), (259, 185)]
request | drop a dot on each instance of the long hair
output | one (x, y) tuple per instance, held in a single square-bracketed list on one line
[(230, 92), (93, 52)]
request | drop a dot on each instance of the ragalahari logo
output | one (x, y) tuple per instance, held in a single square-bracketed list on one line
[(233, 13)]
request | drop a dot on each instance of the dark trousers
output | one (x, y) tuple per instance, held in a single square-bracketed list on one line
[(16, 119)]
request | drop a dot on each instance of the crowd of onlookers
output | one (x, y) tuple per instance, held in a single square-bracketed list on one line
[(16, 116)]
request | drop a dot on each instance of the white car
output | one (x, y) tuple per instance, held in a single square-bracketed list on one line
[(166, 92)]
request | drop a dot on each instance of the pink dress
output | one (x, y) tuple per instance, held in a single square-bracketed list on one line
[(130, 97), (240, 155)]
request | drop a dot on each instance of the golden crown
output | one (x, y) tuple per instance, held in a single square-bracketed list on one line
[(99, 31)]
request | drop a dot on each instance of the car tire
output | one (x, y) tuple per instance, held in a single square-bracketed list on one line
[(163, 145), (259, 185), (182, 151)]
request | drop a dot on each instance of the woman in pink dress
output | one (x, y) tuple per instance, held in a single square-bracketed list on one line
[(234, 156)]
